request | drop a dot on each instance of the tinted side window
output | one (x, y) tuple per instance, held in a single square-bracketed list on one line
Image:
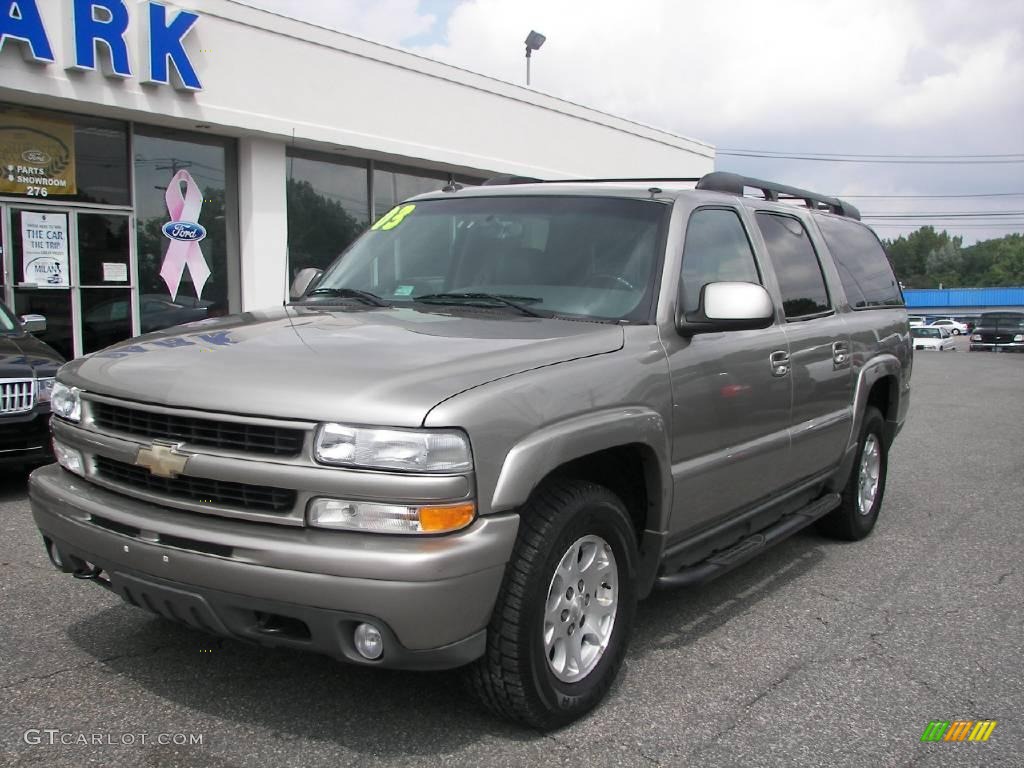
[(796, 265), (863, 266), (716, 250)]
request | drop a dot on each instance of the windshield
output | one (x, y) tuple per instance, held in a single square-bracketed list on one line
[(1001, 322), (926, 333), (583, 256)]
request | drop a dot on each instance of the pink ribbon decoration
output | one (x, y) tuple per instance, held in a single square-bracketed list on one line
[(181, 253)]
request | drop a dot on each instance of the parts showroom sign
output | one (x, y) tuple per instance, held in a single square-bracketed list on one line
[(37, 157)]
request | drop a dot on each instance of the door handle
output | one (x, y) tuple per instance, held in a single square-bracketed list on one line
[(840, 354), (780, 363)]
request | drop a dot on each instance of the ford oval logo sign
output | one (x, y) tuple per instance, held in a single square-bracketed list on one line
[(184, 231)]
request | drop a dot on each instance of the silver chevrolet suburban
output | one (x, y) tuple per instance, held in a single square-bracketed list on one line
[(496, 422)]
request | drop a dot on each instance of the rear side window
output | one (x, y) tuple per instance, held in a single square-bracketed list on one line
[(796, 265), (864, 269), (717, 250)]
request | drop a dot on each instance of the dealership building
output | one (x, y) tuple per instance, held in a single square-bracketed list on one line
[(168, 162)]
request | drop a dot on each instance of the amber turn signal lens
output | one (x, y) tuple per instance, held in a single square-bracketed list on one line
[(447, 518)]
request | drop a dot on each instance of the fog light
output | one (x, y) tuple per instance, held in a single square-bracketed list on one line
[(389, 518), (368, 641), (68, 458)]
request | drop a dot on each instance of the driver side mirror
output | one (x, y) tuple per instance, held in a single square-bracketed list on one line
[(303, 281), (728, 307), (34, 323)]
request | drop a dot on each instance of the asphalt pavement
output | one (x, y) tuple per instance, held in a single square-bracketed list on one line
[(816, 654)]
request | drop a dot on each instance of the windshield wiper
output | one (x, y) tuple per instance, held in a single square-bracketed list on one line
[(474, 297), (350, 293)]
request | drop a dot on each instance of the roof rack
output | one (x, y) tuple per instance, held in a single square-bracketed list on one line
[(531, 180), (734, 184), (717, 181)]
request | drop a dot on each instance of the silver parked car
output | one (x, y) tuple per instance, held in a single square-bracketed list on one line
[(500, 419)]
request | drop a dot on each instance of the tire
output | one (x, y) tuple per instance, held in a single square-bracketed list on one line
[(847, 521), (956, 331), (516, 678)]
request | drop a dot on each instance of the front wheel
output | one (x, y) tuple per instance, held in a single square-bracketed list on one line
[(564, 614), (857, 513)]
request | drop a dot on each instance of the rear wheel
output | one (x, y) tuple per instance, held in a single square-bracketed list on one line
[(563, 617), (857, 513)]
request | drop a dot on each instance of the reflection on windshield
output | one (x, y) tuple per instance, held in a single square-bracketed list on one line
[(925, 333), (584, 256)]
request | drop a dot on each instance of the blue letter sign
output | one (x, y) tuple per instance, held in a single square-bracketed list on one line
[(19, 20), (105, 22), (165, 47)]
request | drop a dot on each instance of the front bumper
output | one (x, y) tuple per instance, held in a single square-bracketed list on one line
[(1009, 346), (431, 597), (25, 437)]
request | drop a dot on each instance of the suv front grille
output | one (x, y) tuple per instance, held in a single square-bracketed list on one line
[(198, 489), (17, 396), (231, 435)]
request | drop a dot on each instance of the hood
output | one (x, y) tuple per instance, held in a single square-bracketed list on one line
[(362, 366), (23, 356)]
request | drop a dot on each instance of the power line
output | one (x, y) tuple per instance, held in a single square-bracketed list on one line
[(910, 225), (940, 215), (882, 160), (933, 197), (873, 154)]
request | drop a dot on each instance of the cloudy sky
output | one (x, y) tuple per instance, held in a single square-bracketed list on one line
[(910, 78)]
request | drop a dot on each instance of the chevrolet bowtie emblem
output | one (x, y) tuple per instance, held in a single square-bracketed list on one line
[(162, 459)]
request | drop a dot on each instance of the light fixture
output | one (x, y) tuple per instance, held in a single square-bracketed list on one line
[(534, 41)]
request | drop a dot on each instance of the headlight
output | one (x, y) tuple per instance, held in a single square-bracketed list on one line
[(65, 402), (390, 518), (1019, 337), (976, 337), (44, 389), (409, 450)]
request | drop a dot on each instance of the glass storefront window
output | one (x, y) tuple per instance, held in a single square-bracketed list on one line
[(328, 208), (106, 317), (62, 157), (391, 187), (185, 211)]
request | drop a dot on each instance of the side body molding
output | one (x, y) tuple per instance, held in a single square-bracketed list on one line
[(535, 456)]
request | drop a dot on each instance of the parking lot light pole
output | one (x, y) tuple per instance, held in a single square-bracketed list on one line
[(534, 41)]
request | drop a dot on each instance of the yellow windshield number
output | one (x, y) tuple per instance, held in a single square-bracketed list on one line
[(393, 218)]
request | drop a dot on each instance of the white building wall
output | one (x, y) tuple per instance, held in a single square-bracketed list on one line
[(262, 222)]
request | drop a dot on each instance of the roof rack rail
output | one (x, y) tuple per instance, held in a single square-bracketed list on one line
[(734, 184), (717, 181), (510, 179), (531, 180)]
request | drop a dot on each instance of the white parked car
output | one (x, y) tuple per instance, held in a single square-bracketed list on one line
[(916, 320), (928, 337), (953, 326)]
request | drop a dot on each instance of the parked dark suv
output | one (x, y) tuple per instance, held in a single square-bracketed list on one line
[(27, 371), (502, 417), (998, 332)]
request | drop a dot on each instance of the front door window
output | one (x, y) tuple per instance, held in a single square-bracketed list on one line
[(41, 272), (104, 274)]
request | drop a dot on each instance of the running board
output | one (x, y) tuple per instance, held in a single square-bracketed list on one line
[(724, 561)]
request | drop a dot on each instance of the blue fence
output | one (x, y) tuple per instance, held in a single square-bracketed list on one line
[(964, 297)]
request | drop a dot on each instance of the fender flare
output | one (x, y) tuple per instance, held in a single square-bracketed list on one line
[(534, 457), (873, 371)]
